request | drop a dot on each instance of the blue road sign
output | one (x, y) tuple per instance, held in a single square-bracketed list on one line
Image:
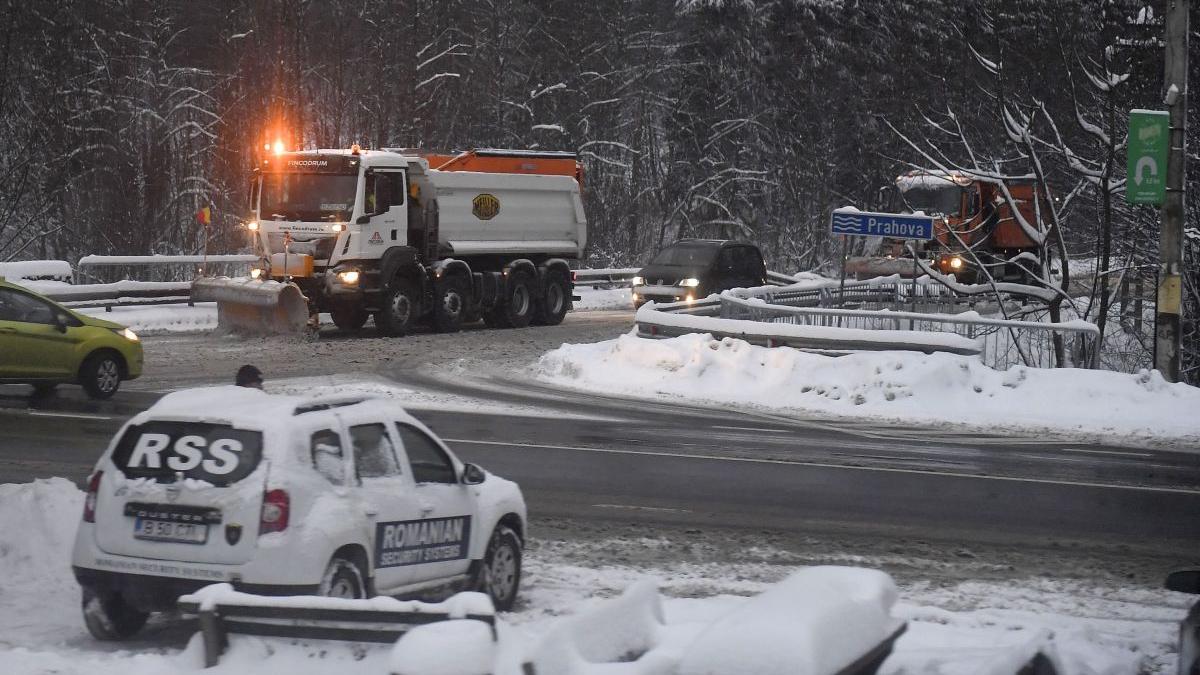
[(894, 225)]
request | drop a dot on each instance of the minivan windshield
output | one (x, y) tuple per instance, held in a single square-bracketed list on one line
[(687, 255), (166, 451)]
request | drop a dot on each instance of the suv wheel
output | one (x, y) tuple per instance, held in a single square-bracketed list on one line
[(109, 617), (343, 579), (500, 575), (100, 375)]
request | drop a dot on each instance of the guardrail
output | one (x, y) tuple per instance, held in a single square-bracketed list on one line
[(121, 293), (754, 315), (608, 276), (178, 267)]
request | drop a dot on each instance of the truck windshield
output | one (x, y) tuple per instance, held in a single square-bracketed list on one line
[(308, 196), (944, 201), (688, 255)]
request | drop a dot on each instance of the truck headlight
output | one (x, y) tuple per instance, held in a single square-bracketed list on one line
[(638, 281), (256, 273), (690, 282), (956, 263), (349, 277), (252, 226)]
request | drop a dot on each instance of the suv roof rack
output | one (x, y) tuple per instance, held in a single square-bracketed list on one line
[(329, 402)]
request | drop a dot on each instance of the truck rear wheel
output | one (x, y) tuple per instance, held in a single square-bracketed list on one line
[(348, 318), (556, 299), (517, 304), (450, 305), (400, 307)]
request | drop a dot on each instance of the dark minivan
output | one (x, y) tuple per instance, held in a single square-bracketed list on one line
[(695, 268)]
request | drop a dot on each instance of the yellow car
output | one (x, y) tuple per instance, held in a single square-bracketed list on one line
[(45, 344)]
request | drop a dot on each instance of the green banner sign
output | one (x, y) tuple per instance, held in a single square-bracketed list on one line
[(1146, 182)]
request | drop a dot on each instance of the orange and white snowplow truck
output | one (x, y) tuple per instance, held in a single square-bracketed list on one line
[(972, 220), (408, 236)]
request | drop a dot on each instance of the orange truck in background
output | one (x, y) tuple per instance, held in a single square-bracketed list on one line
[(968, 214)]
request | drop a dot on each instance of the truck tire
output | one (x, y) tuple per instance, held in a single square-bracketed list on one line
[(556, 299), (348, 317), (400, 308), (108, 617), (500, 574), (100, 374), (450, 304), (516, 306)]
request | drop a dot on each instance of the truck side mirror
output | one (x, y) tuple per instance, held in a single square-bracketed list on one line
[(363, 220)]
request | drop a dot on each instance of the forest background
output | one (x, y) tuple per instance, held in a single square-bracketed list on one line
[(752, 119)]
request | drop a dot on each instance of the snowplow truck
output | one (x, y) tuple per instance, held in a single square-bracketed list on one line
[(407, 237), (974, 228)]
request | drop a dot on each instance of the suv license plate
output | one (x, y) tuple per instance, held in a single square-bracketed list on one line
[(165, 530)]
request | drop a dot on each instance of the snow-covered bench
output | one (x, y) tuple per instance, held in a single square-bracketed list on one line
[(222, 610)]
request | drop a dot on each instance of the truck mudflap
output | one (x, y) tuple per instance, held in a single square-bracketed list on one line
[(252, 307)]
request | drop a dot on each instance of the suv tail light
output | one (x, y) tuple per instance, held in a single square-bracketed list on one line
[(274, 512), (89, 502)]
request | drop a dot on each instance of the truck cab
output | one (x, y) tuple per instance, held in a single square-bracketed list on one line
[(378, 232)]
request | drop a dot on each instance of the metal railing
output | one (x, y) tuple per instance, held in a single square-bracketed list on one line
[(1003, 343), (160, 267)]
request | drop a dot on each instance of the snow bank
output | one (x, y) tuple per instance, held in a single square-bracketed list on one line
[(816, 622), (602, 298), (37, 529), (913, 387)]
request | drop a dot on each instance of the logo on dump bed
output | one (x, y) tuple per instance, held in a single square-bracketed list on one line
[(485, 206)]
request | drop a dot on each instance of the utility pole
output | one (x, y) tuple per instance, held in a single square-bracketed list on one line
[(1170, 242)]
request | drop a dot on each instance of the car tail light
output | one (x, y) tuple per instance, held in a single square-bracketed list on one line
[(274, 512), (89, 502)]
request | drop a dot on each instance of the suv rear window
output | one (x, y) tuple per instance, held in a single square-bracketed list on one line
[(216, 453)]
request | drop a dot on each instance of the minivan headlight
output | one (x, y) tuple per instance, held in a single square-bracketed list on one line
[(127, 334), (690, 282)]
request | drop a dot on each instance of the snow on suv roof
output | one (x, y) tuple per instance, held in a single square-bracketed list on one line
[(245, 406)]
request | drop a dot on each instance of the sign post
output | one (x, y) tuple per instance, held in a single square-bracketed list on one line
[(849, 222), (1146, 165)]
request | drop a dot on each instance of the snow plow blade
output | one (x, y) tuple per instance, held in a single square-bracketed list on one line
[(250, 307)]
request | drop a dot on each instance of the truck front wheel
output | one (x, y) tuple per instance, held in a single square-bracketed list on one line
[(348, 318), (400, 308)]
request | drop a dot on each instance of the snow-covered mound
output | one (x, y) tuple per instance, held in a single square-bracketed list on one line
[(938, 388)]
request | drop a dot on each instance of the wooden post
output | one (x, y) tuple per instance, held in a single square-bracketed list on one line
[(213, 632), (1169, 308)]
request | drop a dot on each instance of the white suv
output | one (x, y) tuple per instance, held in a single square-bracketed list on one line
[(282, 495)]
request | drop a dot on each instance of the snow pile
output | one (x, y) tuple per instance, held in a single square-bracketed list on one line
[(423, 650), (602, 298), (815, 622), (914, 387), (627, 626), (36, 270)]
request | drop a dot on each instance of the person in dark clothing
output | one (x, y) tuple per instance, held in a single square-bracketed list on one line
[(249, 376)]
